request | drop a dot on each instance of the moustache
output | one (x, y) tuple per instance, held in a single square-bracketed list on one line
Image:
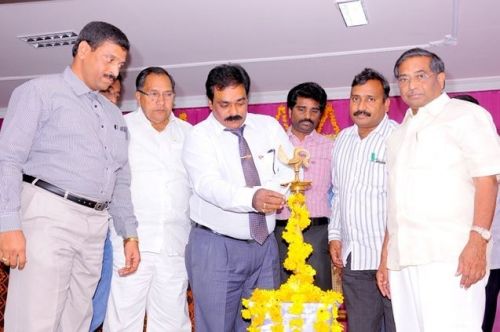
[(360, 112), (233, 118), (111, 76), (307, 120)]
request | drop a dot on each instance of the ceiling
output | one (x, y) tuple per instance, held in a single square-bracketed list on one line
[(280, 42)]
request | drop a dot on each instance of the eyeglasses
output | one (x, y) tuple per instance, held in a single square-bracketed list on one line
[(154, 95), (417, 78)]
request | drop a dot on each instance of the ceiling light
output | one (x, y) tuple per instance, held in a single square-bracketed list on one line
[(53, 39), (353, 12)]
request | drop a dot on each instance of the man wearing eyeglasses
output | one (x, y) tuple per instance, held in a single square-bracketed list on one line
[(63, 172), (442, 164), (160, 195)]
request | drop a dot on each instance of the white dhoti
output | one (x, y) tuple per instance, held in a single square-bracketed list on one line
[(429, 298), (157, 288)]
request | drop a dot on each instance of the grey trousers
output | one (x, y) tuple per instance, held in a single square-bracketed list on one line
[(64, 247), (221, 272), (367, 309)]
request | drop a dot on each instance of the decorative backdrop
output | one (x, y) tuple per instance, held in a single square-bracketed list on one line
[(337, 112)]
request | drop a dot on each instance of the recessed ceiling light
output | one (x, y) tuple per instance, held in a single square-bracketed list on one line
[(353, 12), (53, 39)]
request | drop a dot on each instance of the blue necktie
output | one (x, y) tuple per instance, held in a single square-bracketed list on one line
[(258, 226)]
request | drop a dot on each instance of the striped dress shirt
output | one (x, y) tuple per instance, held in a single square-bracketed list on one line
[(60, 131), (359, 205)]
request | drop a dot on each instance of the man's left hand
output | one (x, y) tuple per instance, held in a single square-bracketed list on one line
[(132, 258), (472, 261)]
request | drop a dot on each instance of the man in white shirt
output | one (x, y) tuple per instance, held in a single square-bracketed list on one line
[(442, 188), (236, 179), (359, 207), (160, 195)]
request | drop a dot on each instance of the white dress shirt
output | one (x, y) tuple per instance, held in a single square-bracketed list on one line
[(160, 187), (221, 200), (359, 206), (431, 161), (495, 237)]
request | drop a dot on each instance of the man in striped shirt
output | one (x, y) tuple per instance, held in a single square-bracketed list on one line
[(359, 209), (306, 103)]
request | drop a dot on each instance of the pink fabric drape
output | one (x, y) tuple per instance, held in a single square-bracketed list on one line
[(488, 99)]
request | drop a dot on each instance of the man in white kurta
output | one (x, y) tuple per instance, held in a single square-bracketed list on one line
[(442, 187), (160, 195)]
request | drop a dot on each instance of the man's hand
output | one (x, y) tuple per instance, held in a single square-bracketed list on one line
[(383, 280), (382, 274), (132, 258), (336, 253), (13, 249), (472, 261), (268, 201)]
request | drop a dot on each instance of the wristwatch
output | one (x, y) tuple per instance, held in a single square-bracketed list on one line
[(485, 234)]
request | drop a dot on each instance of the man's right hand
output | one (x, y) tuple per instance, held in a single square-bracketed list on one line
[(383, 280), (336, 253), (268, 201), (13, 249)]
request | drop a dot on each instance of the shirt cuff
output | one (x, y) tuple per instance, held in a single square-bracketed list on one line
[(10, 222)]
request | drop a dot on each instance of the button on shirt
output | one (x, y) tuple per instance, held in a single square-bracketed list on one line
[(59, 130), (432, 159), (160, 187), (359, 206), (221, 200), (319, 172)]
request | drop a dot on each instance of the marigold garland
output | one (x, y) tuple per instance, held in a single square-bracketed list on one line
[(299, 288), (329, 114), (183, 116), (282, 116)]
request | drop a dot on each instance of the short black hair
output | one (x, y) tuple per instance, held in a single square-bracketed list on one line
[(141, 78), (95, 33), (309, 90), (468, 98), (437, 65), (371, 74), (226, 75)]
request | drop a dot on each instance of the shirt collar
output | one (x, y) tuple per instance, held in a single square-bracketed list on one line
[(432, 108), (144, 120), (381, 127), (220, 128), (312, 136), (78, 86)]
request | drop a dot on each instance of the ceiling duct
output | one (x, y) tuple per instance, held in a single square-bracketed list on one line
[(53, 39)]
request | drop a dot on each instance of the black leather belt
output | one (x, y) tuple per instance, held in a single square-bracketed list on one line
[(315, 221), (196, 225), (60, 192)]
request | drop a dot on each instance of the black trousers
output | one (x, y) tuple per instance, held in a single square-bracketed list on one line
[(320, 260), (367, 309), (492, 290)]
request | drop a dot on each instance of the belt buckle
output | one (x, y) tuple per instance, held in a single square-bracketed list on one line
[(100, 206)]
